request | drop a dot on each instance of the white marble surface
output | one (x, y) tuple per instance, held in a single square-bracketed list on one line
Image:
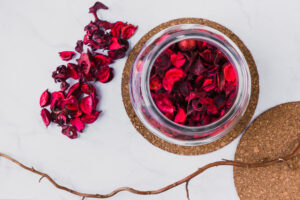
[(111, 153)]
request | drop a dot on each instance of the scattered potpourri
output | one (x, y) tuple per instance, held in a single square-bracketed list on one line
[(74, 106), (193, 83)]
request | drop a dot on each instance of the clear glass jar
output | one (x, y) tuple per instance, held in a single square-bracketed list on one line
[(145, 107)]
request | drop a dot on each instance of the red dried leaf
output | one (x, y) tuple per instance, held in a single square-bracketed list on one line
[(101, 60), (163, 62), (98, 5), (62, 119), (73, 89), (64, 86), (79, 46), (198, 68), (70, 131), (208, 84), (128, 31), (229, 72), (45, 98), (116, 30), (76, 113), (78, 124), (67, 55), (115, 44), (60, 74), (180, 116), (71, 103), (56, 100), (187, 45), (212, 109), (86, 105), (164, 104), (155, 83), (207, 56), (72, 70), (45, 114), (117, 54), (88, 88), (177, 59), (104, 74), (85, 63), (171, 76), (90, 118)]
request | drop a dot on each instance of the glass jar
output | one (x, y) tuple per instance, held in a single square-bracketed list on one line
[(145, 107)]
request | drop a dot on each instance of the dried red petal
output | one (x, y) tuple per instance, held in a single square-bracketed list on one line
[(60, 74), (206, 55), (163, 61), (98, 5), (102, 60), (73, 89), (117, 54), (116, 30), (212, 109), (208, 84), (45, 98), (198, 68), (79, 46), (70, 131), (128, 31), (155, 83), (85, 63), (177, 59), (164, 104), (115, 44), (90, 118), (88, 88), (104, 74), (187, 45), (62, 119), (64, 86), (180, 116), (46, 116), (229, 72), (78, 124), (72, 70), (67, 55), (76, 113), (56, 100), (86, 105), (71, 103), (171, 76)]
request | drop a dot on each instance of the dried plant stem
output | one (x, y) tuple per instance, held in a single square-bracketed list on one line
[(168, 187), (187, 190)]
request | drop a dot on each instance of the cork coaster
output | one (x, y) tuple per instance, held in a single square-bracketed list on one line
[(191, 150), (273, 134)]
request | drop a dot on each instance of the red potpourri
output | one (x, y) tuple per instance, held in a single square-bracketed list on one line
[(193, 83), (74, 106)]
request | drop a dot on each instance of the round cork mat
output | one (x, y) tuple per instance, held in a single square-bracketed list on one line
[(191, 150), (272, 135)]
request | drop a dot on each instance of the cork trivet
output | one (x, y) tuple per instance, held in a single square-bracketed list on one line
[(190, 150), (273, 134)]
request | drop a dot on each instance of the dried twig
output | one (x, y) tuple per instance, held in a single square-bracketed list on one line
[(187, 190), (168, 187)]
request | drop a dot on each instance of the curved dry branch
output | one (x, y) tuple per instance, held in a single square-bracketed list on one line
[(168, 187)]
